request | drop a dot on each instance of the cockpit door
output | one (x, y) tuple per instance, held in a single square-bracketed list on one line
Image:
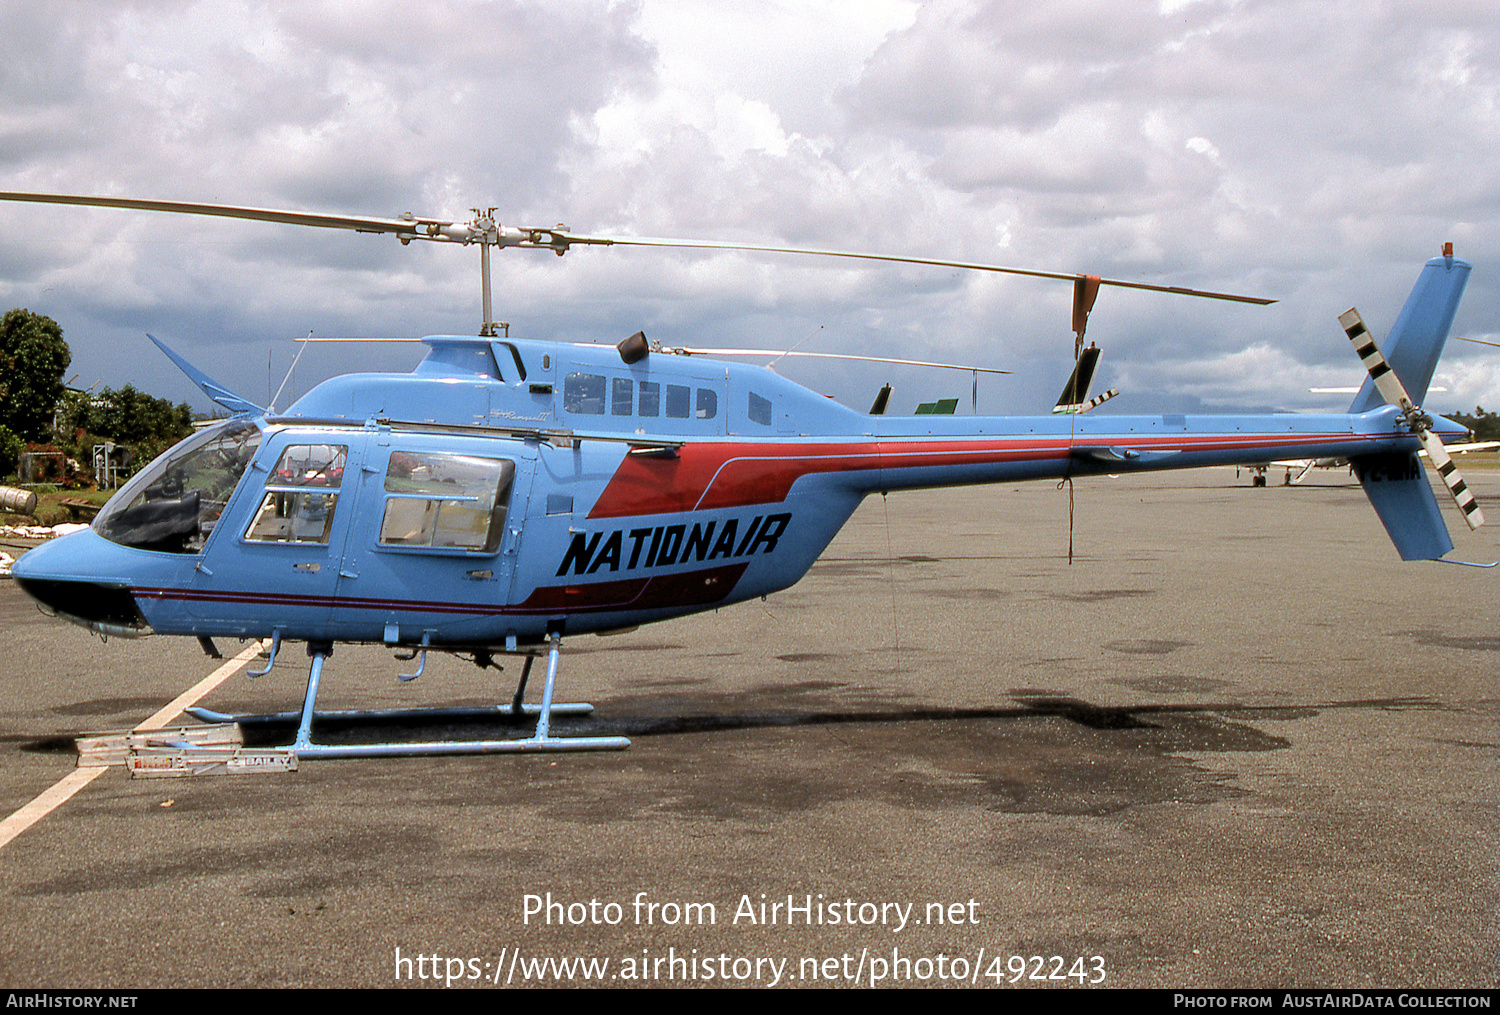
[(275, 558)]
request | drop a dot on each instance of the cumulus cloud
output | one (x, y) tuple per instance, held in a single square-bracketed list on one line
[(1317, 154)]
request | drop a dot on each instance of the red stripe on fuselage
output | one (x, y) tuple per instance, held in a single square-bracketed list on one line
[(724, 475), (703, 587), (707, 476)]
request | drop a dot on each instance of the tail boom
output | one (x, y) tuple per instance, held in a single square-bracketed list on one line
[(977, 450)]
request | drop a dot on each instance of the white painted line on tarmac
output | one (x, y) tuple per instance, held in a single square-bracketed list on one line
[(50, 800), (62, 791)]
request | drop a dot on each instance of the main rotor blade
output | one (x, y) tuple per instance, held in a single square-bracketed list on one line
[(703, 351), (555, 238), (1478, 341), (359, 223), (645, 241)]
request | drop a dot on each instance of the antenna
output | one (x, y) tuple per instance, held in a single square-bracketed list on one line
[(301, 348)]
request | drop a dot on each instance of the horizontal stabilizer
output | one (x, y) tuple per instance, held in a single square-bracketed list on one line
[(1401, 495), (1092, 403)]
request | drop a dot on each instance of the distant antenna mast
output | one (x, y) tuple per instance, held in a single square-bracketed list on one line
[(290, 370)]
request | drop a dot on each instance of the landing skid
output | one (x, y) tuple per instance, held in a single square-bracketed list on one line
[(218, 749), (531, 745), (541, 741)]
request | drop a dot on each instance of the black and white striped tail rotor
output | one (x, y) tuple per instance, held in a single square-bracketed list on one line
[(1462, 495), (1394, 392)]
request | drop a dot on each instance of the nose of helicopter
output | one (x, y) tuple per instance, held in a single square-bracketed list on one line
[(64, 576)]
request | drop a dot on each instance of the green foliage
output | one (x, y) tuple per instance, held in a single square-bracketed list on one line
[(11, 448), (127, 415), (33, 359), (1486, 425), (148, 425)]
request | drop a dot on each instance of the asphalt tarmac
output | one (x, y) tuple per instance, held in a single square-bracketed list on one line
[(1236, 743)]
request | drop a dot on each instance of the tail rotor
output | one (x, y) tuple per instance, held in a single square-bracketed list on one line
[(1419, 422)]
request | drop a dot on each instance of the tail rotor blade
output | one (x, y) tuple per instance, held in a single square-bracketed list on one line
[(1386, 381), (1443, 462)]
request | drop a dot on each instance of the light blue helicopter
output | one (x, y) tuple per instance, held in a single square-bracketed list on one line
[(509, 493)]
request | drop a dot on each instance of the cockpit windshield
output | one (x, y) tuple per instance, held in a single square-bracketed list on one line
[(174, 503)]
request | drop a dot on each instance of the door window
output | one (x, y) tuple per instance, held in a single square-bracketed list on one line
[(301, 495), (446, 501)]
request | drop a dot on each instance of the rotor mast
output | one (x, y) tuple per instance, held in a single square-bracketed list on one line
[(485, 220), (484, 231)]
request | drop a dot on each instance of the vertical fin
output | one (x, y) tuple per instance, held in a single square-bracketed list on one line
[(1082, 378), (1401, 495), (1416, 341)]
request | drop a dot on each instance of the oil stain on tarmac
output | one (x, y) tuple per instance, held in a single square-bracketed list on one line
[(1037, 752)]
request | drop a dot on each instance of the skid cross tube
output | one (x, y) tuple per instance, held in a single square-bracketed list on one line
[(320, 654), (271, 662), (422, 666)]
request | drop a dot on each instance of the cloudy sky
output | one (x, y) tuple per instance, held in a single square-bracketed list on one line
[(1315, 153)]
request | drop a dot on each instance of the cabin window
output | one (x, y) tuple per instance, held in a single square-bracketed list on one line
[(584, 393), (679, 401), (708, 403), (650, 398), (622, 392), (173, 504), (760, 410), (301, 495), (446, 501)]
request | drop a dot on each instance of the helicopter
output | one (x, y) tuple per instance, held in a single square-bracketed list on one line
[(511, 492)]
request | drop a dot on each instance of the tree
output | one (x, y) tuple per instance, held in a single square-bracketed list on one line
[(1486, 425), (149, 425), (11, 449), (33, 359), (128, 415)]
